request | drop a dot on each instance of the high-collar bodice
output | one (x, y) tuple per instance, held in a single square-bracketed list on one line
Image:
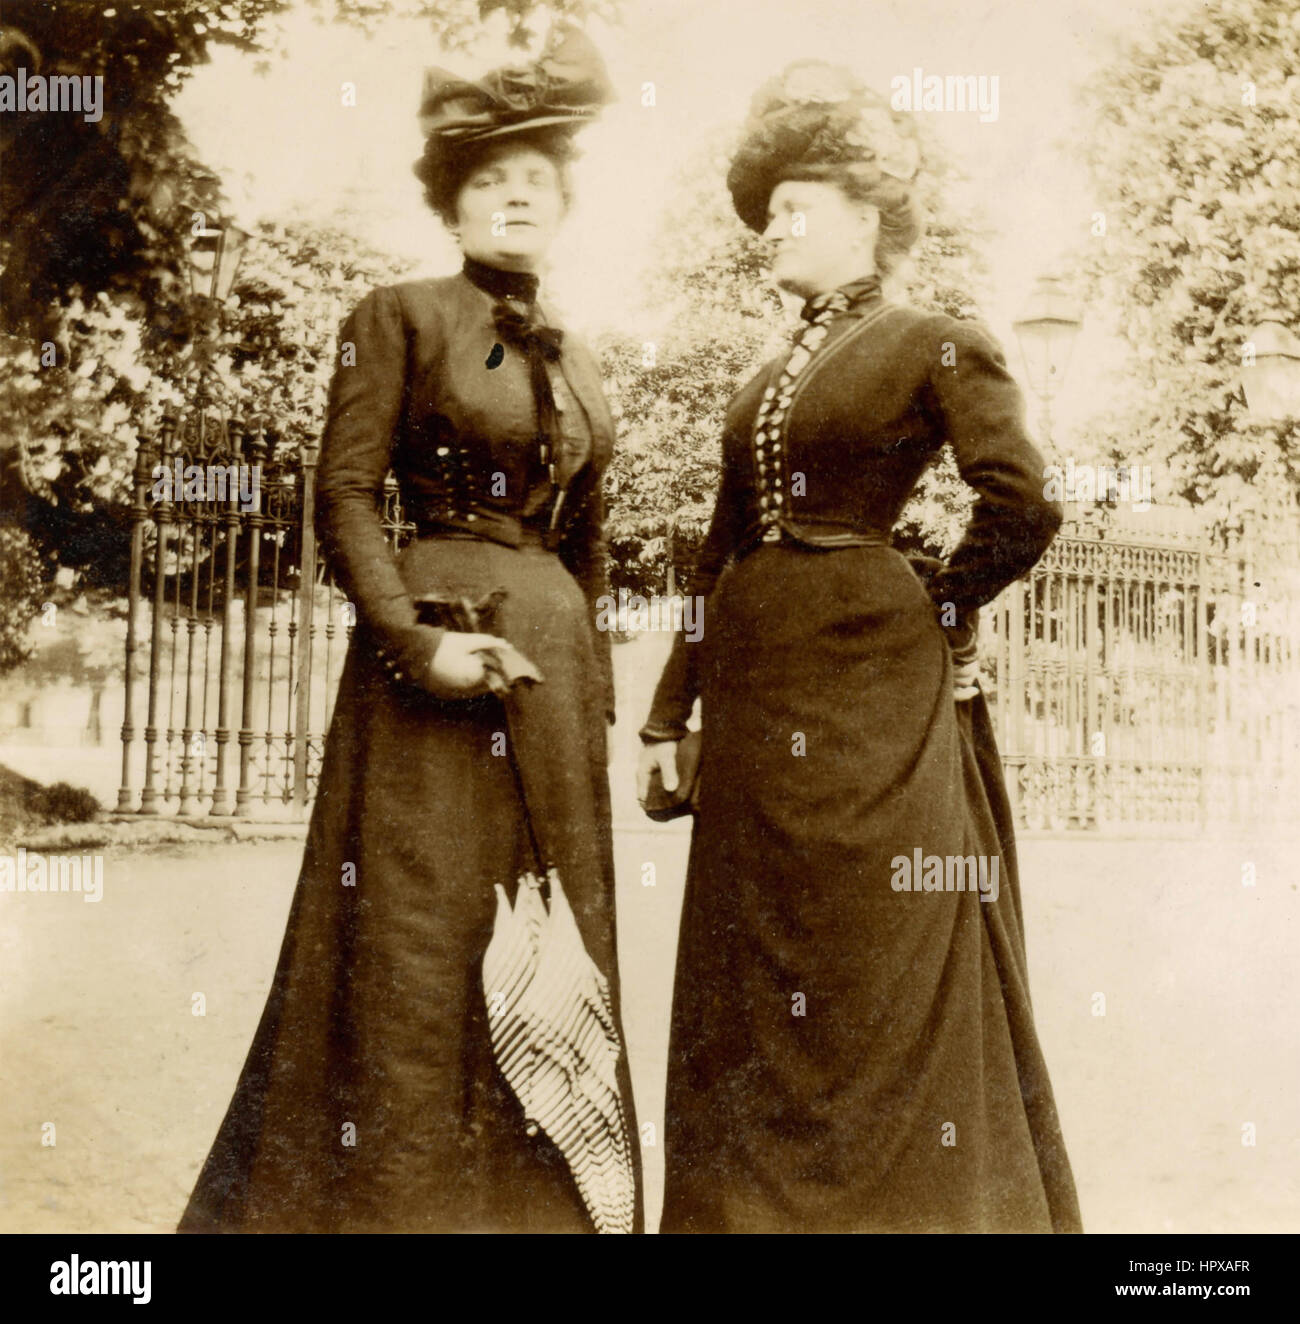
[(426, 388)]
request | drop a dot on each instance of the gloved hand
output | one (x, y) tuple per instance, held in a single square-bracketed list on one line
[(963, 638), (964, 643), (467, 664), (662, 755)]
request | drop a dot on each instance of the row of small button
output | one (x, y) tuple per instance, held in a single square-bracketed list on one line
[(390, 664), (458, 478), (769, 423)]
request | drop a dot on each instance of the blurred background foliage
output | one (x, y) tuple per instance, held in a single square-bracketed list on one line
[(1193, 145)]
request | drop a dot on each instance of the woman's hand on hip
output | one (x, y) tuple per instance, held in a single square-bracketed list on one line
[(964, 646), (661, 755), (965, 677), (459, 669)]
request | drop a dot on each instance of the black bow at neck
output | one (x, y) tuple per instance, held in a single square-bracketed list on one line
[(532, 337), (843, 298), (522, 329)]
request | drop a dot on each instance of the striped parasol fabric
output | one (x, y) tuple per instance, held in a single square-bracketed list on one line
[(555, 1039)]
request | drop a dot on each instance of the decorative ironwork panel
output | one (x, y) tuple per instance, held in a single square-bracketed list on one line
[(1147, 683)]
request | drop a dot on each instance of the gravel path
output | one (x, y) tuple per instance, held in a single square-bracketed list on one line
[(98, 1035)]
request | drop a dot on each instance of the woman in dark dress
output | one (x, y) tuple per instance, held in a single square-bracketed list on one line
[(848, 1055), (371, 1099)]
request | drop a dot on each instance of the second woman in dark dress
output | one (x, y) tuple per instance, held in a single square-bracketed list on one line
[(852, 1043), (371, 1099)]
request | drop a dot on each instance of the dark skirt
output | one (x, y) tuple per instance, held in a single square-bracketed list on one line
[(845, 1055), (370, 1100)]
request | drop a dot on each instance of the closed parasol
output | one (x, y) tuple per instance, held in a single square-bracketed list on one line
[(550, 1013)]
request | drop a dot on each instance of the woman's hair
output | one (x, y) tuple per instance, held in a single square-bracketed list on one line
[(901, 222), (817, 121), (444, 167)]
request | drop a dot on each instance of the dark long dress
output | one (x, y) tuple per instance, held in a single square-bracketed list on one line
[(370, 1099), (845, 1055)]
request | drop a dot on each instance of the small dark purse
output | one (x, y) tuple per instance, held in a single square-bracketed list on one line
[(663, 806)]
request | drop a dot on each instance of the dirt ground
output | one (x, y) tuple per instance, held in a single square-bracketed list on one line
[(1199, 974)]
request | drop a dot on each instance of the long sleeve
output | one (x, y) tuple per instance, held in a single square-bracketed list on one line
[(678, 686), (1012, 522), (366, 402), (585, 556)]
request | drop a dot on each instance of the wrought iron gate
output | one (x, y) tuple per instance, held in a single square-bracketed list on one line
[(246, 631)]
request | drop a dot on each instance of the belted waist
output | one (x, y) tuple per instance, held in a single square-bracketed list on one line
[(823, 535), (484, 523)]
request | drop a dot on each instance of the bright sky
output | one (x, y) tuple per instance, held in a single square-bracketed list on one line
[(287, 140)]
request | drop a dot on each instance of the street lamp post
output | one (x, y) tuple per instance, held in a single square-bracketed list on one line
[(1270, 372), (1047, 330), (212, 262), (214, 255)]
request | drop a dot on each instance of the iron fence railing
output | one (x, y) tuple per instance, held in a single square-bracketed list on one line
[(1142, 678), (1139, 678)]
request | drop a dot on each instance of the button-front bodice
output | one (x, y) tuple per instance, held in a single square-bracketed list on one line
[(831, 461)]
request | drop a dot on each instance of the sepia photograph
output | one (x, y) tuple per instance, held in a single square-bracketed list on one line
[(649, 617)]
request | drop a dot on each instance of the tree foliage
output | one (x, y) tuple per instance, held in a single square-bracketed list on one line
[(73, 422), (457, 22), (1194, 148), (22, 586), (89, 205), (96, 326), (99, 205)]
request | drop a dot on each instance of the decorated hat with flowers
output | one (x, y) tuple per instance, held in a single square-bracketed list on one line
[(817, 117), (565, 86)]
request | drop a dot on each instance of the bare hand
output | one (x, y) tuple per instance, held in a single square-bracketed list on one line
[(458, 669), (662, 755)]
